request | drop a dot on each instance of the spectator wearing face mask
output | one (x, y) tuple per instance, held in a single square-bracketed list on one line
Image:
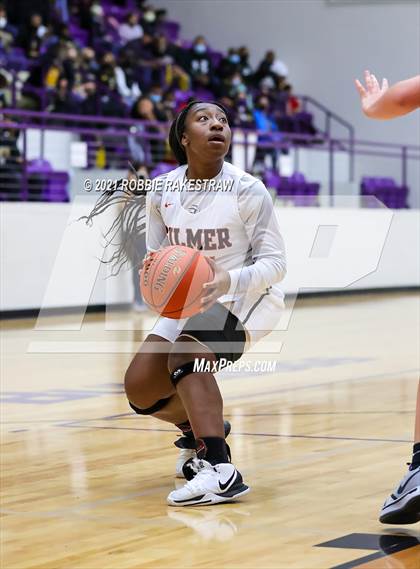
[(200, 62), (148, 21), (244, 65), (130, 29), (31, 38), (229, 64), (156, 95), (233, 86)]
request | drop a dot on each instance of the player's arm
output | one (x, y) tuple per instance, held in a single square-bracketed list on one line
[(268, 251), (384, 102)]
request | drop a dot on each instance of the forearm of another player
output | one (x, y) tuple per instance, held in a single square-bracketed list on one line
[(400, 99)]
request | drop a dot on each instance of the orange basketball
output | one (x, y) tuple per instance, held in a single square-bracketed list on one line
[(171, 283)]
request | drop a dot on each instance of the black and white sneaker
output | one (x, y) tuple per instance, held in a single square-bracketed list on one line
[(211, 485), (187, 452), (403, 505)]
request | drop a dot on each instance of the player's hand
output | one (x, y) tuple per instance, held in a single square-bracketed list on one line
[(215, 288), (147, 259), (370, 94)]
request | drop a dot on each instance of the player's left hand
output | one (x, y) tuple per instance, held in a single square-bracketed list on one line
[(215, 288)]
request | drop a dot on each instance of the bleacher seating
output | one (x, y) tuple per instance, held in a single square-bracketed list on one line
[(294, 188), (386, 191)]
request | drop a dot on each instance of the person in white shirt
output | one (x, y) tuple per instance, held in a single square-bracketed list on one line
[(131, 29), (238, 230)]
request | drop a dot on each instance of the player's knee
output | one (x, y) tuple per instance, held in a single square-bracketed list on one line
[(137, 385)]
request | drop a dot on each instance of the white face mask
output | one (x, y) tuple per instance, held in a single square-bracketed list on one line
[(149, 17), (3, 22)]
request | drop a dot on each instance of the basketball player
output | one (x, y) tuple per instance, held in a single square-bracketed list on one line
[(237, 229), (403, 505)]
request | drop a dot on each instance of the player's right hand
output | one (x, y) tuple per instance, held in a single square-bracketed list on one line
[(370, 94)]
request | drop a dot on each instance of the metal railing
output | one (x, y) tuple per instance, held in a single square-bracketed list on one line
[(121, 138)]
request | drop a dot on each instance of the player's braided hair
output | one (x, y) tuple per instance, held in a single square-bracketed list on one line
[(178, 127), (128, 225)]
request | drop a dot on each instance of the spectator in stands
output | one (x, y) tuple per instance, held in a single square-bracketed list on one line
[(270, 67), (8, 32), (279, 68), (145, 149), (244, 116), (265, 122), (155, 95), (88, 67), (106, 73), (71, 64), (149, 20), (170, 57), (139, 52), (245, 67), (162, 59), (293, 105), (181, 55), (169, 105), (130, 29), (97, 19), (233, 86), (229, 64), (200, 67), (31, 38), (127, 84), (64, 101)]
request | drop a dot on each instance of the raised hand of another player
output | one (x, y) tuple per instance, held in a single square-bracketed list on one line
[(215, 288), (370, 94)]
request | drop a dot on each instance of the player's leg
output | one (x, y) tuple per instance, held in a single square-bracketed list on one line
[(403, 505), (150, 392), (206, 338), (147, 382)]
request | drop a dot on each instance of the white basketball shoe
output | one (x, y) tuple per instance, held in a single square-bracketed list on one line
[(210, 485), (403, 505), (187, 452)]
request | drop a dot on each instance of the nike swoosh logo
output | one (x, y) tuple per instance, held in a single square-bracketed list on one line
[(224, 486), (402, 486)]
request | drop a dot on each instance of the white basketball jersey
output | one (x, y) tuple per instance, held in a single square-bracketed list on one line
[(216, 229), (216, 222)]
